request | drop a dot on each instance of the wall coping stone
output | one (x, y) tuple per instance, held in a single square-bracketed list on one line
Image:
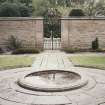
[(41, 18), (83, 18), (19, 18)]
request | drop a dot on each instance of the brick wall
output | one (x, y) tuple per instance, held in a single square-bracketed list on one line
[(75, 32), (28, 30), (80, 32)]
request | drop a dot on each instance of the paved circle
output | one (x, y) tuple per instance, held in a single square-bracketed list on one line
[(91, 94)]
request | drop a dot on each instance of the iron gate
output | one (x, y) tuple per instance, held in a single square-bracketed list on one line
[(52, 30)]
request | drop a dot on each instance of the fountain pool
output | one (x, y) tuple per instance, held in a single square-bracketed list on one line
[(52, 80)]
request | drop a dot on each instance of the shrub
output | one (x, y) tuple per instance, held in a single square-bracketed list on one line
[(9, 10), (74, 50), (71, 50), (25, 51), (24, 11), (1, 50), (95, 44), (76, 12), (97, 50), (14, 43)]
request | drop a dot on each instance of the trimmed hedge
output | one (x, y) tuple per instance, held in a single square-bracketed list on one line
[(76, 50), (76, 12), (26, 51), (97, 50), (71, 50), (1, 51)]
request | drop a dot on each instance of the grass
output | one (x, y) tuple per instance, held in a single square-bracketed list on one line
[(10, 62), (97, 62)]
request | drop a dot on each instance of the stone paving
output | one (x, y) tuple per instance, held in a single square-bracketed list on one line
[(91, 94)]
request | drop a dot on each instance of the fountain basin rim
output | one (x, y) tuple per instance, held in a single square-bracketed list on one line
[(80, 83)]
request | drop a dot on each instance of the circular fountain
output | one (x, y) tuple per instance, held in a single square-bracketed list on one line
[(52, 80)]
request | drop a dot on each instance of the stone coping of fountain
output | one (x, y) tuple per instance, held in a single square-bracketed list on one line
[(76, 85)]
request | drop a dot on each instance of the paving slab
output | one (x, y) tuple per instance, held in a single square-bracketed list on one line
[(51, 100)]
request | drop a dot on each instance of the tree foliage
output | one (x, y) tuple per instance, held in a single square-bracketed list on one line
[(90, 7), (94, 8), (100, 8), (77, 12), (24, 11), (27, 2), (8, 9), (95, 44), (40, 7)]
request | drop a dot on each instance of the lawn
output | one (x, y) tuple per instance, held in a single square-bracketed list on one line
[(89, 61), (10, 62)]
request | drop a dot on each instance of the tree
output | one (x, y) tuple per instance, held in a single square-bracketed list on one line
[(1, 1), (9, 10), (11, 1), (92, 7), (100, 8), (64, 3), (77, 12), (24, 11), (40, 7), (26, 2)]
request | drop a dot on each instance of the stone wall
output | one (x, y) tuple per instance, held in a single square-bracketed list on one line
[(27, 30), (80, 32)]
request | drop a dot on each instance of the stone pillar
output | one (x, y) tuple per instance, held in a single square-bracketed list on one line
[(64, 33), (39, 34)]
